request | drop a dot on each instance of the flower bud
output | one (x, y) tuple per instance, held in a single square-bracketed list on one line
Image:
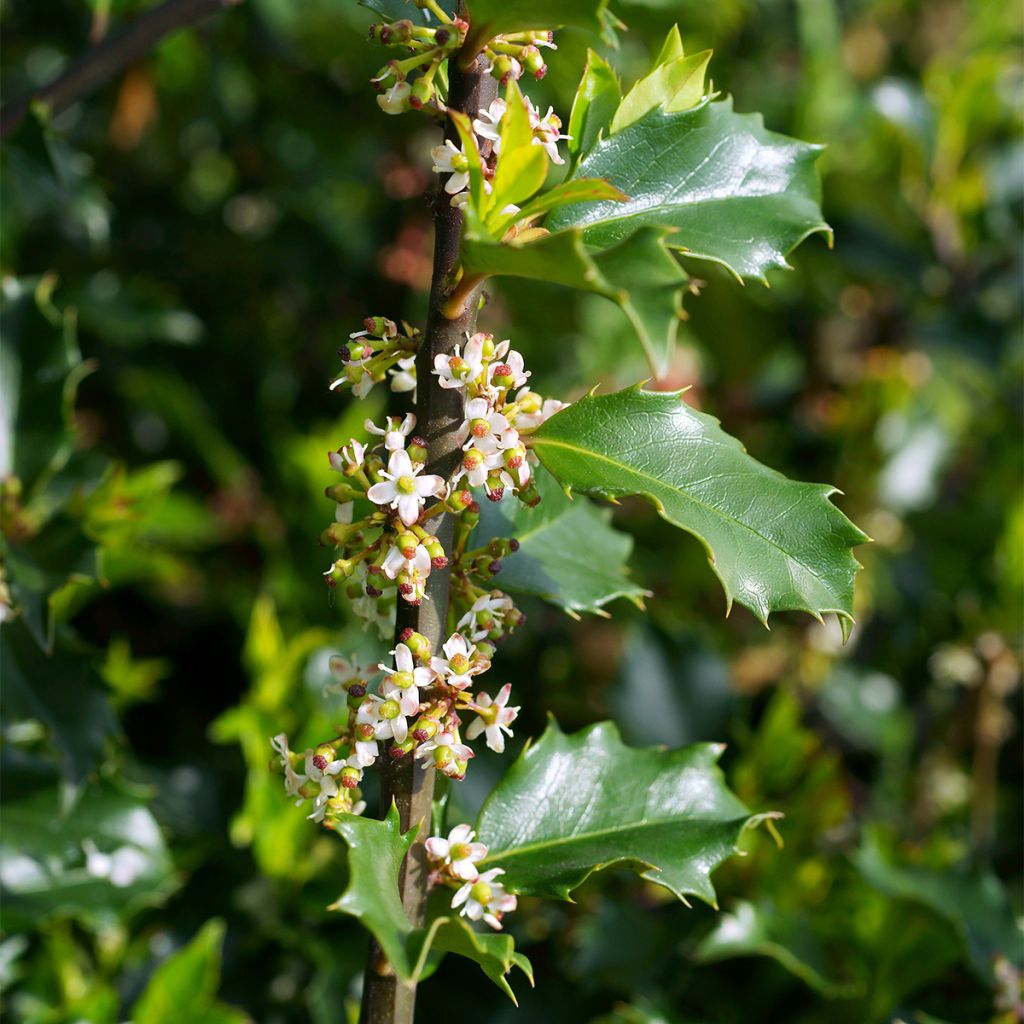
[(398, 750), (407, 543), (514, 456), (422, 92), (532, 61), (459, 501), (486, 649), (529, 495), (531, 403), (505, 67), (488, 344), (418, 644), (424, 728), (438, 559), (343, 492), (341, 570), (417, 449), (338, 533), (380, 327), (349, 777)]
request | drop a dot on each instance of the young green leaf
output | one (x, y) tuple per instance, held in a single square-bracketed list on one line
[(774, 543), (572, 805), (736, 193), (569, 553), (376, 851), (579, 190), (522, 166), (597, 98), (677, 85)]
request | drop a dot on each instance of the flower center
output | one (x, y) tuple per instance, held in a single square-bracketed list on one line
[(460, 851), (407, 484), (480, 428), (390, 710), (320, 761), (482, 893), (459, 663), (403, 680)]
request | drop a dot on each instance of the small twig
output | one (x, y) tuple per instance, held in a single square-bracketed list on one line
[(98, 64)]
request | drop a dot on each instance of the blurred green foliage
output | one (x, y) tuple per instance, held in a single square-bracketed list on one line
[(182, 255)]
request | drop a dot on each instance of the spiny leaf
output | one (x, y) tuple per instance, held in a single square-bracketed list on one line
[(774, 543), (572, 805), (737, 194), (597, 98)]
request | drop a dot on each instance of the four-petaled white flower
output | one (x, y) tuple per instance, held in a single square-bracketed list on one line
[(482, 426), (485, 899), (485, 609), (458, 852), (379, 714), (393, 431), (451, 748), (404, 489), (513, 365), (349, 457), (458, 369), (395, 562), (403, 681), (547, 132), (456, 668), (494, 718), (451, 160)]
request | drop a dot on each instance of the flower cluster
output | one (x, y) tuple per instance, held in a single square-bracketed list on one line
[(453, 863), (418, 709), (376, 352), (506, 57), (452, 160)]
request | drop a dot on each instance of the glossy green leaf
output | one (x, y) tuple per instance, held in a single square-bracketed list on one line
[(735, 193), (489, 18), (774, 543), (762, 930), (522, 166), (597, 98), (579, 190), (183, 989), (376, 851), (569, 553), (573, 804), (103, 860)]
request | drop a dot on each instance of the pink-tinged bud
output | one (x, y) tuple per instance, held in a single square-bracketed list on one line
[(514, 456), (320, 761), (407, 543), (440, 562), (422, 93), (380, 327), (423, 729), (459, 501), (349, 777), (417, 449), (496, 494), (364, 731), (398, 750), (540, 72)]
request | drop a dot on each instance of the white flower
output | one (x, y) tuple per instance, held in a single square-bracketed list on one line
[(476, 466), (512, 365), (393, 432), (396, 563), (386, 724), (404, 680), (349, 457), (482, 426), (293, 782), (451, 160), (494, 718), (478, 621), (485, 899), (448, 748), (458, 369), (458, 852), (456, 668), (403, 376), (546, 132), (403, 489), (488, 124), (396, 99)]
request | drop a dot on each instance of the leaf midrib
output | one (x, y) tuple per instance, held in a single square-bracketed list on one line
[(600, 833), (696, 501)]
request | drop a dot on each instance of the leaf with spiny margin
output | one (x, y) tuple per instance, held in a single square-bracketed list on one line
[(737, 194), (774, 543), (376, 851), (569, 553), (489, 18), (574, 804), (597, 98), (639, 274)]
